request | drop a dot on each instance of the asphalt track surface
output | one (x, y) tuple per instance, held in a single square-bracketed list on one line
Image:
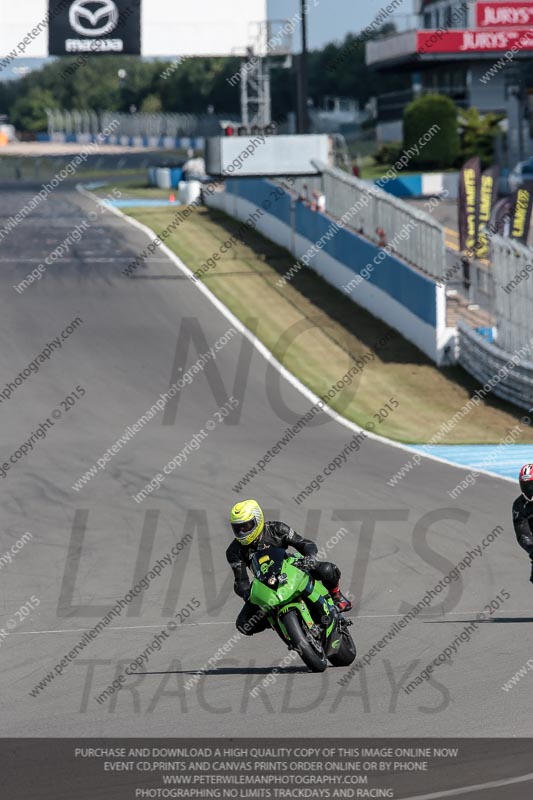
[(124, 355)]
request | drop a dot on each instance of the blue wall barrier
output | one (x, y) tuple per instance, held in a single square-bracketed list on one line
[(264, 195), (407, 186), (413, 290), (423, 184)]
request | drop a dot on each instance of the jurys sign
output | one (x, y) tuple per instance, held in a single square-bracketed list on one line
[(501, 15), (474, 41)]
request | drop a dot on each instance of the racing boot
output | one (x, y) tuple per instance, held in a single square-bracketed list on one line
[(341, 602)]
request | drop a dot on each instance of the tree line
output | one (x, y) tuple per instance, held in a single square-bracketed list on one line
[(192, 86)]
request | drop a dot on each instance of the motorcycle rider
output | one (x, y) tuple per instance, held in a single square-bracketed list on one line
[(252, 533), (523, 512)]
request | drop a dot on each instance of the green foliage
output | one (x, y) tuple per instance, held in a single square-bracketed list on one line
[(442, 149), (151, 104), (198, 83), (388, 153), (478, 134), (91, 82), (29, 110)]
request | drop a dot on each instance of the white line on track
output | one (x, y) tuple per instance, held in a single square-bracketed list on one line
[(477, 787), (162, 624), (232, 622)]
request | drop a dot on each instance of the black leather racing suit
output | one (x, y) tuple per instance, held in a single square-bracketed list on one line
[(251, 620), (523, 525)]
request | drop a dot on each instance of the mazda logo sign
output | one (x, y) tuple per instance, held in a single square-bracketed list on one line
[(93, 17)]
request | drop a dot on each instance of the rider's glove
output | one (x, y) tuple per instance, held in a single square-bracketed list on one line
[(306, 563)]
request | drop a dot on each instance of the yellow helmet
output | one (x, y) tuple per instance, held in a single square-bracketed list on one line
[(247, 520)]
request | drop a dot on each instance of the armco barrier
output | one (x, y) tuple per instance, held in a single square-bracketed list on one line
[(483, 361), (402, 297)]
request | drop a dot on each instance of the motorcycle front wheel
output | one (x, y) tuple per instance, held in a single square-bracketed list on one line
[(311, 652)]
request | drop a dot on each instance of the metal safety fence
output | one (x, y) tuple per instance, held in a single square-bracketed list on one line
[(412, 234), (138, 124), (512, 267)]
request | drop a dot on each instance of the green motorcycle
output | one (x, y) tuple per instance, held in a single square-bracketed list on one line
[(300, 609)]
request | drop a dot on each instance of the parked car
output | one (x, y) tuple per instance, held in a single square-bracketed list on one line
[(521, 172)]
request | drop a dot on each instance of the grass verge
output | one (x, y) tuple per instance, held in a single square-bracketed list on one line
[(137, 188), (373, 172)]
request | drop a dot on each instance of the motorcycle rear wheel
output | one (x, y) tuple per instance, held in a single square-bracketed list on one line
[(311, 654)]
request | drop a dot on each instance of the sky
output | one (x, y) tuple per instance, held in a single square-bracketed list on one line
[(331, 20)]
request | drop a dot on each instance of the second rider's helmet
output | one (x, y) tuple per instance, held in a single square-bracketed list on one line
[(526, 481)]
